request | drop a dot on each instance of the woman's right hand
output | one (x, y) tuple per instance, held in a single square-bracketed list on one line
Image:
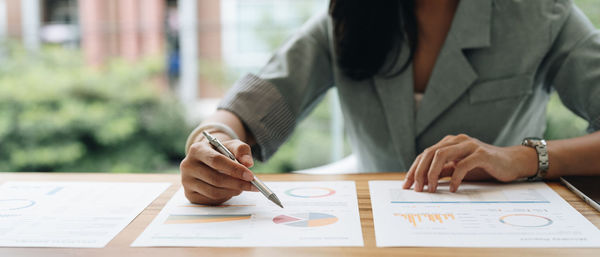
[(209, 177)]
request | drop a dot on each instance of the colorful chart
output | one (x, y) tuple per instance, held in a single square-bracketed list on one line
[(311, 219), (15, 204), (419, 218), (526, 220), (310, 192), (205, 218)]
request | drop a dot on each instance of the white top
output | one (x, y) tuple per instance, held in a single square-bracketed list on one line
[(418, 98)]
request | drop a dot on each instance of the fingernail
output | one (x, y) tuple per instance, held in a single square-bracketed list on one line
[(452, 188), (254, 189), (248, 176), (417, 186)]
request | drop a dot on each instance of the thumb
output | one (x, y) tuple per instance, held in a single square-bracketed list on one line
[(241, 151)]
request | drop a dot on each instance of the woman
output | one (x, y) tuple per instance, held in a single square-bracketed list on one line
[(463, 84)]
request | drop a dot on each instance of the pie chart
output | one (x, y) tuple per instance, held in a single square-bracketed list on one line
[(526, 220), (310, 219), (15, 204), (310, 192)]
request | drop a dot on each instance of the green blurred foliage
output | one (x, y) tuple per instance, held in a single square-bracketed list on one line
[(591, 8), (57, 114), (561, 123)]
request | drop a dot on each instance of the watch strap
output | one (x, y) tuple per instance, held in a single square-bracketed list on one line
[(541, 149)]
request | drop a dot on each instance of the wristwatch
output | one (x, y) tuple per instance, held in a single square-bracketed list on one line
[(542, 151)]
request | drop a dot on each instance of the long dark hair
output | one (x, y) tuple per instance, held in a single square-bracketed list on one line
[(367, 31)]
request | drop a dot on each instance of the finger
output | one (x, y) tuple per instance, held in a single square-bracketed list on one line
[(444, 155), (448, 169), (456, 138), (410, 176), (460, 171), (423, 166), (421, 171), (241, 151), (204, 153), (195, 197), (450, 140), (217, 179), (446, 141), (211, 192)]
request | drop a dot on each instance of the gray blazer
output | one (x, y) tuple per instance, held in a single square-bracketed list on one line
[(491, 81)]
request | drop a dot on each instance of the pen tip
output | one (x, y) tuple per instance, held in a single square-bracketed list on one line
[(275, 200)]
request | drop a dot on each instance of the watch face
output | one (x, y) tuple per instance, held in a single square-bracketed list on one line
[(532, 141)]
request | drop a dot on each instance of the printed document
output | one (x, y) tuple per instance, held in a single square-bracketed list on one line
[(315, 214), (70, 214), (478, 215)]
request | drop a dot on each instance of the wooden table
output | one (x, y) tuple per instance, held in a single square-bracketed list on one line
[(119, 246)]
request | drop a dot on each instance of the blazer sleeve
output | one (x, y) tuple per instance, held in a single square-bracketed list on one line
[(575, 67), (287, 88)]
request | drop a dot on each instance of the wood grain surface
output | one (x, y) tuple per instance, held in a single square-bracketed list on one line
[(119, 246)]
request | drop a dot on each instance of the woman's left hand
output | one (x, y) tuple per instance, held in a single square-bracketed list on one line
[(462, 157)]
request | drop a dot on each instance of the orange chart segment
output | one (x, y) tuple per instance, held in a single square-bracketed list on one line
[(419, 218), (205, 218), (322, 222)]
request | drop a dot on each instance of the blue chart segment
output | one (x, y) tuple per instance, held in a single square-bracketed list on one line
[(54, 191), (15, 204), (526, 220)]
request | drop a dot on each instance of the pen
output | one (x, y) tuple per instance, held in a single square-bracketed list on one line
[(256, 182)]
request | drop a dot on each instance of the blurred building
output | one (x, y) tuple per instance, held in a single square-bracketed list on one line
[(230, 37), (103, 29)]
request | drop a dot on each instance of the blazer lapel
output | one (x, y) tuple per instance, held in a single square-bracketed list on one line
[(452, 74), (396, 95)]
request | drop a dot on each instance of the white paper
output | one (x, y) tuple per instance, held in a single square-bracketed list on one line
[(478, 215), (70, 214), (315, 214)]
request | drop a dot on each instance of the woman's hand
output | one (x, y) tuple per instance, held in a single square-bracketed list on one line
[(209, 177), (462, 157)]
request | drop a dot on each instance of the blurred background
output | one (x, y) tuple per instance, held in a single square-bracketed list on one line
[(117, 85)]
